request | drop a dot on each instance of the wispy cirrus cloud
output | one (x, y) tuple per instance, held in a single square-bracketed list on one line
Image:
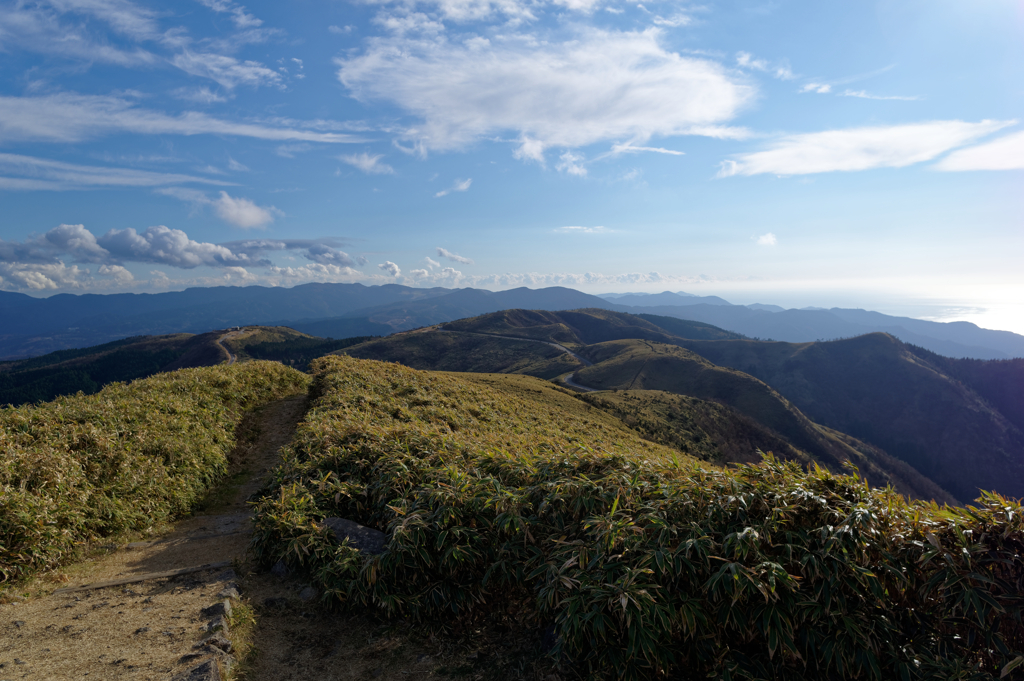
[(368, 163), (579, 229), (226, 71), (862, 94), (894, 146), (31, 173), (780, 70), (71, 117), (1003, 153), (459, 186), (604, 85)]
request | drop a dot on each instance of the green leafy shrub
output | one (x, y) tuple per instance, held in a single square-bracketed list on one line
[(84, 467), (647, 566)]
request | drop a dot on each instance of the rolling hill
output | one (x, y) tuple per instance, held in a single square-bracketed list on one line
[(520, 341)]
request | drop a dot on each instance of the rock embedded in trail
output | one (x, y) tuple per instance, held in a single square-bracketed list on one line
[(365, 539)]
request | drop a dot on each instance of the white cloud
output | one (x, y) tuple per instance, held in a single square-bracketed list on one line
[(201, 95), (459, 186), (227, 71), (861, 94), (117, 273), (618, 149), (572, 164), (236, 166), (165, 246), (244, 213), (605, 85), (819, 88), (419, 274), (391, 268), (431, 262), (578, 229), (290, 150), (893, 146), (42, 174), (1003, 153), (674, 21), (782, 71), (239, 16), (454, 257), (367, 163), (768, 239), (339, 30), (42, 277), (38, 27), (69, 117)]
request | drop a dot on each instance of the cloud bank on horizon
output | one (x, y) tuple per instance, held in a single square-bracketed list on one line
[(137, 134)]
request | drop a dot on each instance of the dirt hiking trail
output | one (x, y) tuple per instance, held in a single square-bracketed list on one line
[(144, 629)]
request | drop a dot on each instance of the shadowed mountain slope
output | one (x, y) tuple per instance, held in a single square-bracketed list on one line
[(915, 406), (587, 326)]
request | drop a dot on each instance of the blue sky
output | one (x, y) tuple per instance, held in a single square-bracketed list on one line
[(863, 154)]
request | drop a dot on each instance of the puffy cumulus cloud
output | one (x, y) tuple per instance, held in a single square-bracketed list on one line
[(893, 146), (766, 239), (454, 257), (243, 212), (165, 246), (76, 241), (325, 255), (1003, 153), (119, 274), (419, 274), (370, 164), (391, 268), (604, 85), (42, 277)]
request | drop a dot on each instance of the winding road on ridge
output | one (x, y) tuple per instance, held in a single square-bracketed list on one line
[(232, 358), (569, 380)]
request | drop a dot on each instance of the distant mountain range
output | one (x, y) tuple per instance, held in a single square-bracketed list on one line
[(35, 326)]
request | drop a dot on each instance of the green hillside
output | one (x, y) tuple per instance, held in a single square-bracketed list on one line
[(66, 372), (450, 351), (930, 412), (503, 499)]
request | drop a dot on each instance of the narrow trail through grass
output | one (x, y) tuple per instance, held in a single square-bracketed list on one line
[(141, 630)]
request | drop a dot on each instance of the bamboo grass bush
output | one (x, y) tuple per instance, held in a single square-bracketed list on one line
[(648, 567), (84, 467)]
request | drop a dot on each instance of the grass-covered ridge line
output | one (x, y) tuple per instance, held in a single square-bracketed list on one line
[(648, 567), (88, 466)]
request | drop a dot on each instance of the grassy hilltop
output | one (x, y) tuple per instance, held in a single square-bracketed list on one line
[(504, 499), (81, 468)]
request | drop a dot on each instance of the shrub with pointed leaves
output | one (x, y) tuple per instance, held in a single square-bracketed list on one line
[(648, 567)]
